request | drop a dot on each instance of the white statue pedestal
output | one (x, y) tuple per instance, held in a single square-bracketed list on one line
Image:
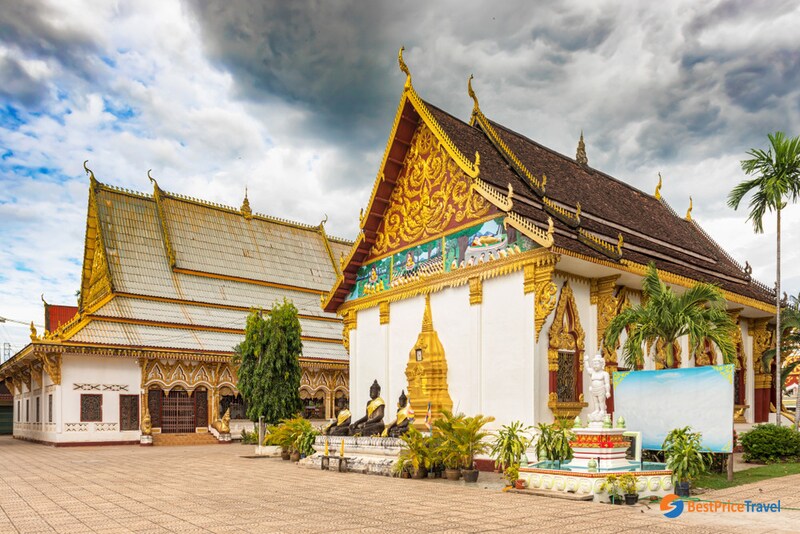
[(604, 445), (146, 440)]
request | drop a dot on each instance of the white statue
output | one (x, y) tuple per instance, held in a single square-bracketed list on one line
[(599, 389)]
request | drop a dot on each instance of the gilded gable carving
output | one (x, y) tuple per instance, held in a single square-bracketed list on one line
[(431, 195)]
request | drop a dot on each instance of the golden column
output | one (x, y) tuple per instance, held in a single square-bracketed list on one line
[(426, 373)]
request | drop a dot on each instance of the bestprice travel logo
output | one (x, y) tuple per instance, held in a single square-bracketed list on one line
[(673, 506)]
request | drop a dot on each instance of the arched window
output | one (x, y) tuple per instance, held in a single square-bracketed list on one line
[(565, 357)]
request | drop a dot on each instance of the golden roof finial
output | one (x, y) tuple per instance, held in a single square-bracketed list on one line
[(658, 188), (689, 211), (620, 242), (34, 335), (245, 209), (404, 67), (471, 94), (89, 172), (550, 226), (323, 221), (578, 210), (427, 319), (580, 154), (477, 161), (43, 301)]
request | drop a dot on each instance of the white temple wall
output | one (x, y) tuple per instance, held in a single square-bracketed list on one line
[(405, 323), (106, 376), (507, 354), (749, 381), (458, 326), (371, 361)]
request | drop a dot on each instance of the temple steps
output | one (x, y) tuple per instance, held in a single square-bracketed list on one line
[(205, 438)]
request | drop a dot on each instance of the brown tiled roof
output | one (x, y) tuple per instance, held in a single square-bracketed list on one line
[(651, 230)]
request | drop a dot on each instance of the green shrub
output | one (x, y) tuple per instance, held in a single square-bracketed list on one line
[(771, 443), (249, 438)]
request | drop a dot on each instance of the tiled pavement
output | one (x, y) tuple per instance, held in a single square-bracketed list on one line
[(215, 489)]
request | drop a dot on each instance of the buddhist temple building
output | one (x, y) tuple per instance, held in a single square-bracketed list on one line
[(487, 265), (167, 284)]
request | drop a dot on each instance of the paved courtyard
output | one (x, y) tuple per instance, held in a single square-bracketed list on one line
[(216, 489)]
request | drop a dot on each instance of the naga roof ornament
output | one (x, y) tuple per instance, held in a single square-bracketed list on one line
[(404, 67), (472, 95), (658, 188), (689, 211)]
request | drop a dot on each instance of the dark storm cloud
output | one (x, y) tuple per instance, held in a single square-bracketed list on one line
[(668, 71), (36, 32)]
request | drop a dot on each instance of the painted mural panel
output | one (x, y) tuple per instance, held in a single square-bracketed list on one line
[(478, 244)]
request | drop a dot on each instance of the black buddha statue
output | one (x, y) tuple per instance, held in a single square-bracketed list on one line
[(342, 425), (399, 426), (372, 423)]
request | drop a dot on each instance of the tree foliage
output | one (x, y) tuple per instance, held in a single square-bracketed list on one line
[(777, 180), (790, 342), (269, 364), (665, 316)]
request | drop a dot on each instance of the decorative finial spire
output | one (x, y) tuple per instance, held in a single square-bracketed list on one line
[(89, 171), (471, 94), (43, 301), (578, 210), (580, 154), (689, 211), (404, 67), (245, 209), (427, 319), (34, 335), (658, 188), (620, 242), (323, 221)]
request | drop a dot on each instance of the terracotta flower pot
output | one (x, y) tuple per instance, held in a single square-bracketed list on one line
[(452, 474), (295, 456), (520, 484), (470, 475), (419, 473), (285, 455)]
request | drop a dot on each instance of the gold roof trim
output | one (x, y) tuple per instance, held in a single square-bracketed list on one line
[(95, 253), (665, 276), (493, 195), (542, 237), (162, 219)]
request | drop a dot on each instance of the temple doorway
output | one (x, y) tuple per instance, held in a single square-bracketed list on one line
[(177, 413), (313, 404)]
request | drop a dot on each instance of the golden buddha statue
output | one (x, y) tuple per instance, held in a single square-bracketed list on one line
[(405, 416), (372, 423)]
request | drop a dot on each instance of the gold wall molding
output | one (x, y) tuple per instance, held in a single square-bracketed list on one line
[(763, 339), (349, 323), (602, 295), (384, 312), (475, 291), (538, 278), (454, 278), (51, 363)]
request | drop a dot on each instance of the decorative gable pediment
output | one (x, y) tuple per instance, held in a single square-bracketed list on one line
[(432, 195)]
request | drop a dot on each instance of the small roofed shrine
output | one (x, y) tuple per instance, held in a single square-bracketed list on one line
[(166, 287), (517, 258)]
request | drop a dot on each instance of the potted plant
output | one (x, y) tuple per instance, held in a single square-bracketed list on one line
[(510, 444), (627, 483), (511, 474), (471, 440), (685, 458), (415, 455), (611, 485), (447, 449), (552, 443), (280, 436)]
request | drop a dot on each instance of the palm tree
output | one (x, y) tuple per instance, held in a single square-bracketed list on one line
[(665, 316), (777, 181), (790, 344)]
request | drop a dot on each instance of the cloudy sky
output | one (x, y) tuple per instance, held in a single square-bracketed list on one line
[(295, 100)]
